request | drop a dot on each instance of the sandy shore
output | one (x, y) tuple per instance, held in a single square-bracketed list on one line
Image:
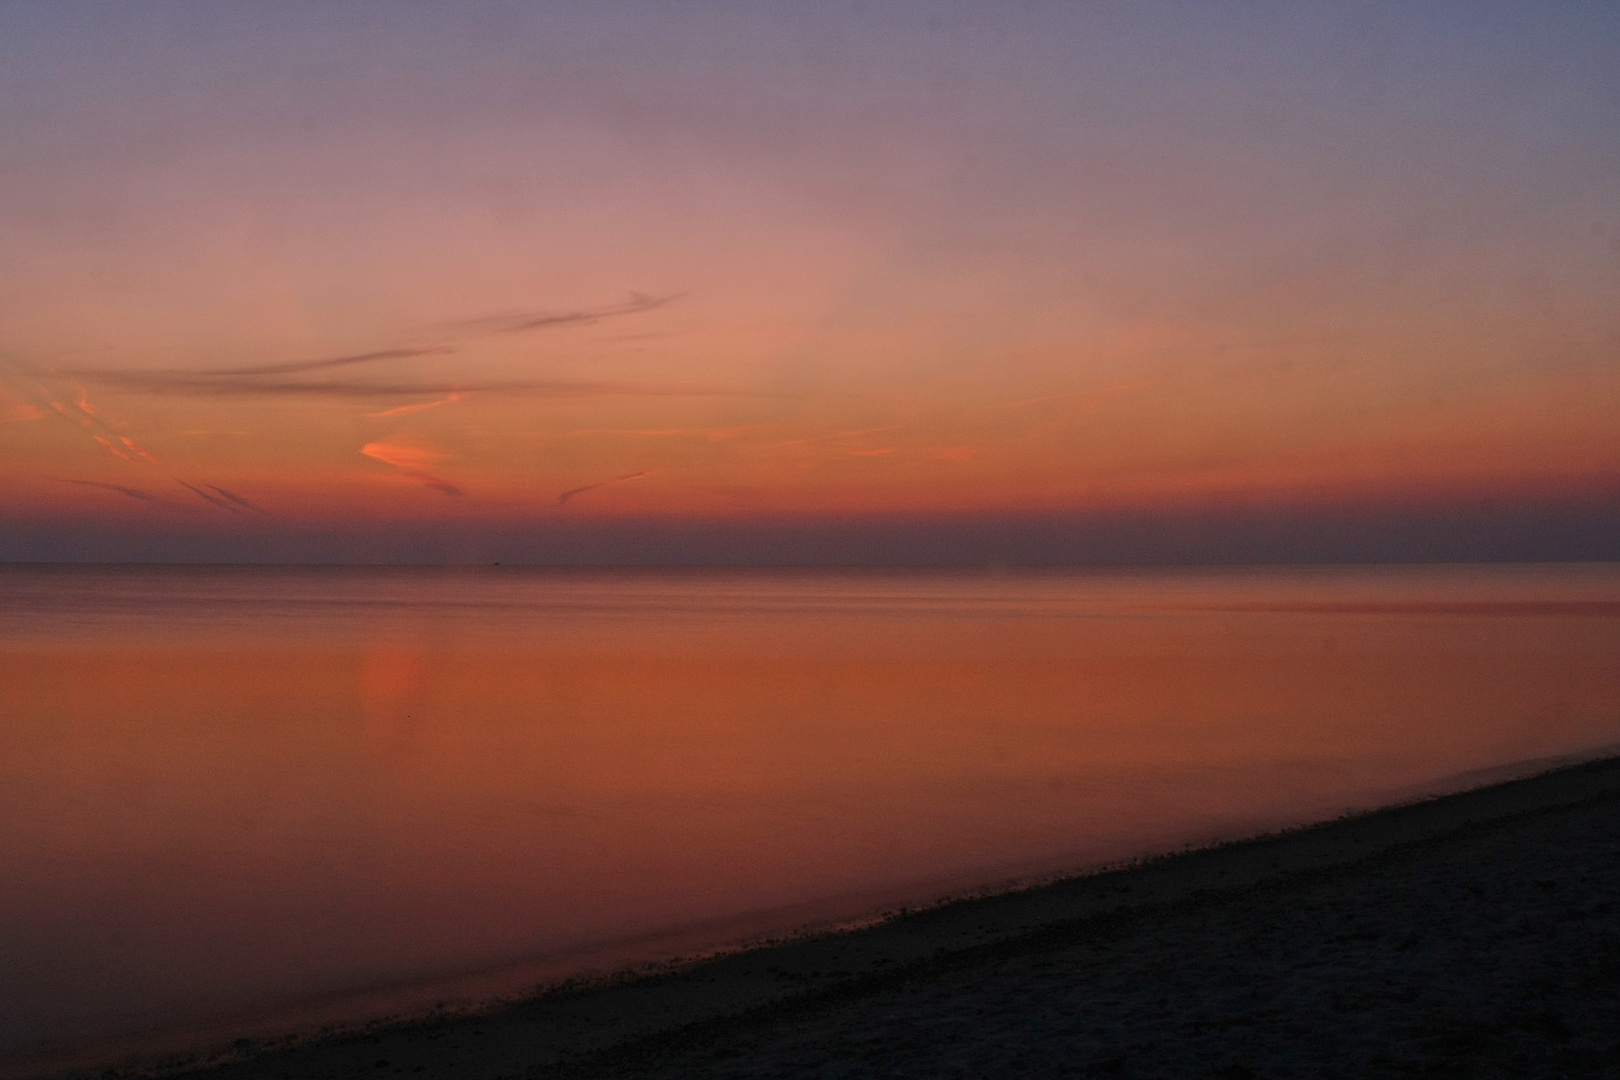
[(1475, 935)]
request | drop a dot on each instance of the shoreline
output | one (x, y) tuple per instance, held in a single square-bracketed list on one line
[(633, 1011)]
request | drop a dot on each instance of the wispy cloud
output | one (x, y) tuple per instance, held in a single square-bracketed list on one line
[(712, 434), (112, 448), (212, 500), (78, 410), (299, 366), (225, 381), (413, 460), (133, 493), (237, 499), (411, 410), (208, 384), (562, 500), (43, 392), (17, 408), (521, 322), (129, 444), (272, 380)]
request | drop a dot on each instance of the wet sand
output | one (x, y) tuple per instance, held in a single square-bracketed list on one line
[(1473, 935)]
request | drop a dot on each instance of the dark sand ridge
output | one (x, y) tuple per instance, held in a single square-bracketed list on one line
[(1472, 935)]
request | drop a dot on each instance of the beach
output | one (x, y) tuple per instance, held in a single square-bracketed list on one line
[(1472, 935)]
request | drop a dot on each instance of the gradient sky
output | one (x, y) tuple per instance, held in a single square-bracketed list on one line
[(431, 264)]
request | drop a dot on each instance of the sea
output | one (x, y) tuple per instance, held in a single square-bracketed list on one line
[(258, 801)]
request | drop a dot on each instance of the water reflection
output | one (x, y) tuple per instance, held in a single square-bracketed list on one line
[(231, 790)]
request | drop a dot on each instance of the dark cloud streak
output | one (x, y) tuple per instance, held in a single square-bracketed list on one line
[(133, 493), (523, 322), (207, 498), (437, 483), (237, 499), (562, 500), (298, 366), (210, 384), (267, 380)]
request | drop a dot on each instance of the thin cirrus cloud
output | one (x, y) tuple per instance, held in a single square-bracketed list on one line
[(128, 492), (237, 499), (211, 384), (562, 500), (412, 410), (413, 460), (211, 494), (211, 500), (79, 411), (523, 321), (44, 395), (299, 366), (270, 380)]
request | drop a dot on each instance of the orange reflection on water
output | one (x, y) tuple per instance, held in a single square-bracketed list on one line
[(447, 775)]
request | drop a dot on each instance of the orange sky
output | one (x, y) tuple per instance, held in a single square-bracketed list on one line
[(425, 267)]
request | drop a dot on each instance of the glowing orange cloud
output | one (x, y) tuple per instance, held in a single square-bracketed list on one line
[(412, 460), (104, 441), (87, 417)]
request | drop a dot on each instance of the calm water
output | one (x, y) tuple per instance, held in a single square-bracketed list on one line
[(227, 793)]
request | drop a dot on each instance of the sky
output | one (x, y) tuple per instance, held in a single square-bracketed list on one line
[(791, 282)]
